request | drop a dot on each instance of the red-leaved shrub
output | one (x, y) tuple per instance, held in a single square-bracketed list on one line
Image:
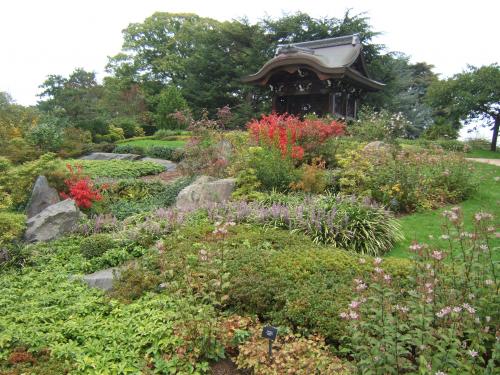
[(292, 136), (80, 188)]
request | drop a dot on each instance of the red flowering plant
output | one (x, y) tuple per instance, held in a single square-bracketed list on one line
[(291, 135), (80, 188)]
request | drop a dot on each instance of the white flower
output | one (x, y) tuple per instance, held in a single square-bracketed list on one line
[(354, 304), (377, 261), (440, 373), (443, 312), (489, 282), (469, 308), (361, 287), (473, 353), (445, 237), (353, 315), (457, 309), (362, 260), (378, 270)]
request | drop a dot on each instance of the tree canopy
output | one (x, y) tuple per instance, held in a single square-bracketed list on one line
[(470, 96)]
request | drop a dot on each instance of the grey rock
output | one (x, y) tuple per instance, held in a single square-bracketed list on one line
[(52, 222), (42, 196), (102, 279), (205, 190), (224, 150), (110, 156), (4, 256), (375, 146), (169, 165)]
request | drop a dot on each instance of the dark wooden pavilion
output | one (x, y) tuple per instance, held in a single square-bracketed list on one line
[(326, 76)]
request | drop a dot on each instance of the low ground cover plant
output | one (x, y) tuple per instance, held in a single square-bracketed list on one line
[(117, 168), (131, 196)]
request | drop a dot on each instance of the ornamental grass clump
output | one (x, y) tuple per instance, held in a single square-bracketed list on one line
[(343, 222), (442, 319)]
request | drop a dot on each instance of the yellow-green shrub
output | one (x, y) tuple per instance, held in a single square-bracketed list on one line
[(12, 226), (18, 181), (406, 180)]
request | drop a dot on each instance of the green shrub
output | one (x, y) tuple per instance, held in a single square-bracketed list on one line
[(451, 145), (12, 226), (114, 134), (96, 245), (272, 171), (379, 126), (129, 125), (277, 275), (440, 131), (247, 185), (129, 197), (5, 164), (103, 147), (133, 282), (75, 142), (17, 182), (407, 180), (161, 152), (167, 133), (479, 144), (128, 149)]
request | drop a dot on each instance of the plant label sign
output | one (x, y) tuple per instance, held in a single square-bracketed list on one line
[(270, 333)]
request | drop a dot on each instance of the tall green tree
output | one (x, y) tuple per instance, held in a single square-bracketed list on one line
[(75, 99), (471, 96)]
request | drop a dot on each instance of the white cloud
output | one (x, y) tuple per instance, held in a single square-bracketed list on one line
[(55, 36)]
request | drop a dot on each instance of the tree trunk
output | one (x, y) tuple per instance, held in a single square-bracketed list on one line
[(495, 134)]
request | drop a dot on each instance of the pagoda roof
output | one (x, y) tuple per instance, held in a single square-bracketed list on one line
[(329, 58)]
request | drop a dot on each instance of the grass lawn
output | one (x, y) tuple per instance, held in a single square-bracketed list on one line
[(143, 143), (420, 226), (485, 154)]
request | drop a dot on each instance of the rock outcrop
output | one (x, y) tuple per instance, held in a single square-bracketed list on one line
[(110, 156), (205, 190), (52, 222), (42, 197)]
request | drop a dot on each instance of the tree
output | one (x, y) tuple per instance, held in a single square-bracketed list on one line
[(76, 98), (473, 95), (206, 59), (167, 102)]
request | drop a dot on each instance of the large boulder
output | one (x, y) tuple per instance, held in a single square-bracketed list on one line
[(110, 156), (42, 197), (52, 222), (167, 164), (205, 190), (102, 279)]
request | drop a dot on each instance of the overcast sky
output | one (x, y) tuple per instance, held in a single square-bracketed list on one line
[(38, 37)]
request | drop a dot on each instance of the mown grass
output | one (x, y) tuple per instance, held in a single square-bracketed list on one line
[(144, 143), (421, 225), (485, 154)]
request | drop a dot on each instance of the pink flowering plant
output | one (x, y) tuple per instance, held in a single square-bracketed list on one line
[(443, 319)]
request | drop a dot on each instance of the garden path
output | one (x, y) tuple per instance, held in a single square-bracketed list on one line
[(487, 161)]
